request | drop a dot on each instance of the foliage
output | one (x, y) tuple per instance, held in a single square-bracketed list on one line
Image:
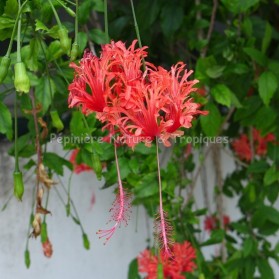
[(232, 46)]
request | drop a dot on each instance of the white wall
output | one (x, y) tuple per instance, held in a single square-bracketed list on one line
[(70, 260)]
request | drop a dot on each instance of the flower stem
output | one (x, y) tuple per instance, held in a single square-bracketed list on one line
[(55, 14), (137, 31), (136, 23), (76, 23), (164, 226), (18, 55), (16, 136), (106, 20), (14, 28)]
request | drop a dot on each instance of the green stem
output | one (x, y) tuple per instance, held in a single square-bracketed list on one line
[(55, 14), (137, 31), (76, 23), (136, 23), (14, 29), (69, 188), (18, 55), (16, 136), (30, 222), (47, 198), (61, 72), (72, 203), (106, 20), (159, 176)]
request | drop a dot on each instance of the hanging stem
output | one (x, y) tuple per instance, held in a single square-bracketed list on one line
[(55, 14), (18, 55), (137, 31), (76, 23), (136, 23), (16, 136), (163, 227), (106, 20), (14, 28)]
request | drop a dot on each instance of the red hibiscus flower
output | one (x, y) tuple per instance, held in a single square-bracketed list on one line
[(212, 223), (173, 266), (78, 168), (242, 146)]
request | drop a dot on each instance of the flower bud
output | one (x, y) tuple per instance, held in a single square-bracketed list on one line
[(4, 67), (97, 166), (70, 11), (68, 209), (21, 82), (18, 185), (27, 258), (44, 236), (86, 242), (74, 51), (64, 40), (56, 121)]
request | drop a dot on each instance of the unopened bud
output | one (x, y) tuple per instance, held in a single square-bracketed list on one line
[(74, 51), (56, 121), (4, 67), (86, 243), (97, 166), (70, 11), (27, 258), (18, 185), (21, 82), (44, 235), (64, 40)]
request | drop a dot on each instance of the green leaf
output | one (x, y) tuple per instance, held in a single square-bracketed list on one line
[(82, 42), (40, 26), (222, 94), (6, 22), (256, 56), (215, 71), (238, 6), (98, 36), (56, 163), (267, 86), (264, 119), (147, 186), (147, 19), (202, 65), (171, 18), (32, 56), (211, 123), (258, 167), (265, 214), (77, 126), (265, 269), (216, 237), (6, 126), (240, 69), (44, 92), (248, 247), (54, 51), (267, 37), (271, 176), (11, 8), (133, 272)]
